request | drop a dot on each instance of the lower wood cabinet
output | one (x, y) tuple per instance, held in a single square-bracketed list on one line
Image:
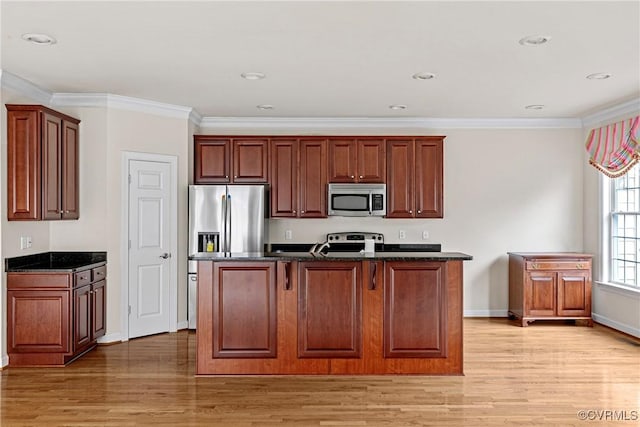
[(329, 317), (52, 318), (550, 286)]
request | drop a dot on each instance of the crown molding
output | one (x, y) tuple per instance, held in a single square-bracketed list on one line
[(24, 87), (316, 123), (107, 100), (629, 108)]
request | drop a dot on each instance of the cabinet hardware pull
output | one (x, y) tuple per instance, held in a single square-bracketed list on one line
[(352, 176), (579, 266), (226, 176), (361, 177), (287, 281), (67, 211), (294, 211), (419, 212), (410, 211), (373, 267), (534, 265), (301, 211), (61, 212)]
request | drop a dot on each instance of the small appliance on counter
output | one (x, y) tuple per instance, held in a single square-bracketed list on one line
[(224, 218)]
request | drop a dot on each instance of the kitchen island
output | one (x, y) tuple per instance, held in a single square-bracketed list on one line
[(341, 313)]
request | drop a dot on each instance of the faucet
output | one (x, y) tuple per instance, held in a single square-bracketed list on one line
[(318, 248)]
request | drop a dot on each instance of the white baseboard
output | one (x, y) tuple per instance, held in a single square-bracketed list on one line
[(5, 360), (183, 325), (110, 338), (486, 313), (616, 325)]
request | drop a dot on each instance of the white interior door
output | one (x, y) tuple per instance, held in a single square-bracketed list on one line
[(150, 247)]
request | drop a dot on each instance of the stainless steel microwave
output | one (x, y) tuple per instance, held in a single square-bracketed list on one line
[(357, 199)]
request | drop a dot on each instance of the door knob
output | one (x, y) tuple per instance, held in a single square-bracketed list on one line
[(165, 255)]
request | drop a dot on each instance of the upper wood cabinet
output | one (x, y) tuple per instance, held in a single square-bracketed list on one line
[(356, 160), (415, 177), (313, 178), (223, 160), (284, 178), (42, 164)]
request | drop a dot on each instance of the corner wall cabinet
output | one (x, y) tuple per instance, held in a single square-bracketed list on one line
[(42, 164), (53, 318), (550, 286)]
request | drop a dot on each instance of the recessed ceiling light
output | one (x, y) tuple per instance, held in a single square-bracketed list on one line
[(534, 40), (398, 107), (253, 76), (38, 38), (534, 107), (599, 76), (265, 107), (424, 76)]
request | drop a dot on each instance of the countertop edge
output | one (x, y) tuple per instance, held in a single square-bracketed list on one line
[(382, 256)]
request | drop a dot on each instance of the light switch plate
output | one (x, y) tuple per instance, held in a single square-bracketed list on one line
[(402, 234), (425, 235)]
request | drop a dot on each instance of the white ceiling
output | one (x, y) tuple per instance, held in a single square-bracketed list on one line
[(334, 58)]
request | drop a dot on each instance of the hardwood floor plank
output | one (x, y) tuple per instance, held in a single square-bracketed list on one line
[(536, 376)]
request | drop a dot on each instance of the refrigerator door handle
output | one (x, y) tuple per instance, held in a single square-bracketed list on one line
[(229, 216), (223, 241)]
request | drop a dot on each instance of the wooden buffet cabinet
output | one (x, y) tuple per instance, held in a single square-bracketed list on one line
[(551, 286), (42, 164), (298, 169), (54, 316), (302, 316)]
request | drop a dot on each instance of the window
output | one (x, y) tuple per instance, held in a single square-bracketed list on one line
[(625, 236)]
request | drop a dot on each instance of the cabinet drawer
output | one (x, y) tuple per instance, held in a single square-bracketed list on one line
[(99, 273), (37, 280), (558, 265), (83, 278)]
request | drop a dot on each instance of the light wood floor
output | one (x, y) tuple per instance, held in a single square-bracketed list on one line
[(541, 375)]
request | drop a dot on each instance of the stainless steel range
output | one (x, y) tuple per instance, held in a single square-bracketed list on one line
[(353, 241)]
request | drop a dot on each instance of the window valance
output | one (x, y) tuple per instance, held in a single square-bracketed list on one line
[(614, 148)]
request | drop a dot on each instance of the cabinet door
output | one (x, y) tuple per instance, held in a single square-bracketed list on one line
[(342, 160), (51, 166), (98, 310), (415, 310), (212, 160), (313, 179), (284, 178), (70, 168), (81, 317), (574, 293), (244, 310), (540, 293), (250, 160), (400, 177), (429, 178), (23, 165), (371, 160), (38, 321), (330, 309)]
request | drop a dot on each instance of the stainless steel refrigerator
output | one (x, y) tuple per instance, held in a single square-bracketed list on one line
[(224, 218)]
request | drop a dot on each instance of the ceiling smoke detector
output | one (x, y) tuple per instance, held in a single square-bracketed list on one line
[(534, 40), (598, 76), (253, 76), (41, 39)]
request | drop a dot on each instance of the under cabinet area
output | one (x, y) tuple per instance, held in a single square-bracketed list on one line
[(42, 164), (329, 317), (56, 309), (550, 286)]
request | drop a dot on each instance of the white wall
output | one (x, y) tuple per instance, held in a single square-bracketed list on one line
[(614, 307)]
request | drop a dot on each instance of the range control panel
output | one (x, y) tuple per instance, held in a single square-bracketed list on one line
[(354, 237)]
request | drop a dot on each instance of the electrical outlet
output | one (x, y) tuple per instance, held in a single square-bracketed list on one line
[(425, 235), (25, 242), (288, 235), (402, 234)]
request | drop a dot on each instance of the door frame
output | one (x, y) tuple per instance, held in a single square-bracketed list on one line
[(127, 156)]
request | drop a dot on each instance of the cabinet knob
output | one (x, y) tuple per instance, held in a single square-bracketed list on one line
[(579, 266), (67, 211), (410, 211), (361, 177), (419, 211), (353, 177), (301, 211), (235, 176), (294, 211), (226, 176), (534, 265), (61, 212)]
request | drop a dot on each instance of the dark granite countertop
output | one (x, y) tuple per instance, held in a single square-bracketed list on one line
[(55, 261), (331, 256)]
